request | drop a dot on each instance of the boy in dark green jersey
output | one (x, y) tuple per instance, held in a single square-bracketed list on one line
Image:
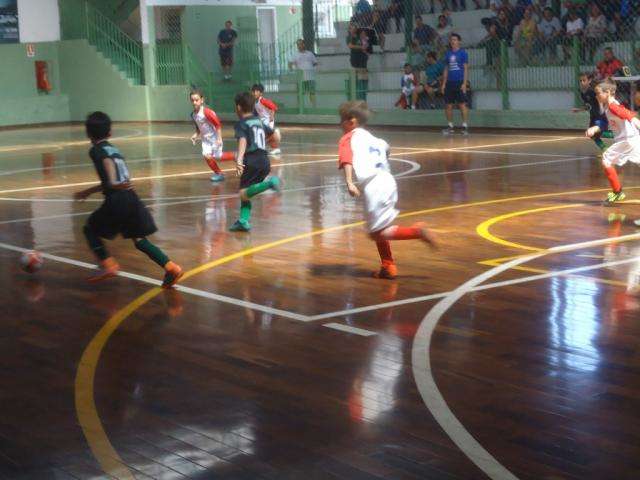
[(122, 211), (252, 162)]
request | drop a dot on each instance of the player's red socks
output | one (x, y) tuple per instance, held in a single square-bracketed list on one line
[(612, 176), (384, 249), (395, 232), (213, 165), (273, 141)]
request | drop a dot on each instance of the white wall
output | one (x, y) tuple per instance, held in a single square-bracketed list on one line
[(39, 21)]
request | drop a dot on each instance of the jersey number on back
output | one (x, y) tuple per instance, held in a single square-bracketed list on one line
[(258, 137), (122, 172)]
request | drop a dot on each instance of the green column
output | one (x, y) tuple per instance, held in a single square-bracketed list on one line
[(408, 22), (504, 74), (149, 51), (308, 26), (575, 61)]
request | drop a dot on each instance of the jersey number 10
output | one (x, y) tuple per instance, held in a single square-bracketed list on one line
[(258, 137)]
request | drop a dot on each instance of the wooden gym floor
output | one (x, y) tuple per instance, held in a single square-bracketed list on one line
[(279, 357)]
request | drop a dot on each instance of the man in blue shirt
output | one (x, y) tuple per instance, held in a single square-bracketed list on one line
[(226, 40), (454, 83)]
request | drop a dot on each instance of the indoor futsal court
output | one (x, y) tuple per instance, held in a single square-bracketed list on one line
[(510, 351), (201, 212)]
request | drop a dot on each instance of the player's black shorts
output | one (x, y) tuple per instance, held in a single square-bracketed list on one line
[(122, 213), (226, 58), (256, 169), (453, 93)]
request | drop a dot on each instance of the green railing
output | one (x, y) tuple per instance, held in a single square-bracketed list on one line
[(113, 43), (170, 64)]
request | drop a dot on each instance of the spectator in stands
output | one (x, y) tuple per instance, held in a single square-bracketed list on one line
[(443, 5), (362, 13), (416, 57), (396, 10), (379, 26), (408, 84), (447, 13), (424, 35), (520, 8), (550, 34), (226, 40), (491, 42), (505, 25), (525, 39), (609, 66), (458, 5), (430, 81), (594, 32), (306, 61), (358, 44), (579, 6), (509, 10), (443, 30), (574, 29)]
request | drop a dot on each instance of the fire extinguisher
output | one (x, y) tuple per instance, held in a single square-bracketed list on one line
[(42, 79)]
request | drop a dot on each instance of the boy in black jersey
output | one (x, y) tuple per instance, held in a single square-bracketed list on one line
[(122, 211), (252, 162)]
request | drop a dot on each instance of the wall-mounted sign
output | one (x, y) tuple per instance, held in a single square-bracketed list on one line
[(9, 21)]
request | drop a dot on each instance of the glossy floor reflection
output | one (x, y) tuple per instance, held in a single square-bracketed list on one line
[(282, 358)]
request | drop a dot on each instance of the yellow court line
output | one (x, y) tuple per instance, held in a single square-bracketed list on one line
[(495, 263), (87, 413), (483, 228), (483, 231)]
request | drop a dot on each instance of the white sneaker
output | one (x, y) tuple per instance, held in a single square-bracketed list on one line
[(275, 151)]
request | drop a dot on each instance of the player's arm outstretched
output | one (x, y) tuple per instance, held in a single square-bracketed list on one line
[(242, 148)]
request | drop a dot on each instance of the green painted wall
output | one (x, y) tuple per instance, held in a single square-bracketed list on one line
[(93, 83), (21, 101)]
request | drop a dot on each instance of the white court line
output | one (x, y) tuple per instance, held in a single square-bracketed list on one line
[(90, 165), (401, 175), (421, 362), (349, 329), (157, 177), (488, 286), (180, 288)]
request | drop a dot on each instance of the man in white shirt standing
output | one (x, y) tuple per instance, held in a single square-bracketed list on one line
[(306, 61)]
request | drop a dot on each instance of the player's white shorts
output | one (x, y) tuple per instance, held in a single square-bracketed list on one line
[(211, 149), (380, 198), (622, 152), (269, 123)]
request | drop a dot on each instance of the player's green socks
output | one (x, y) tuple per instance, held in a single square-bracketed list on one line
[(601, 145), (95, 243), (153, 252), (245, 208), (257, 188), (607, 134)]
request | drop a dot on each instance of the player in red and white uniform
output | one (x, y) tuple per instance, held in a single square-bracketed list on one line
[(626, 147), (209, 130), (266, 110), (365, 156)]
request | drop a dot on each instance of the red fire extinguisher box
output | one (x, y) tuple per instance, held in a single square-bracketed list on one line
[(42, 77)]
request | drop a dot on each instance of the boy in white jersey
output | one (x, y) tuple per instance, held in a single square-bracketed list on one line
[(209, 130), (625, 126), (364, 155), (266, 110)]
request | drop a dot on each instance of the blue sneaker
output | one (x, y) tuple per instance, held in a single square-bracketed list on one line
[(240, 226), (275, 184), (218, 177)]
